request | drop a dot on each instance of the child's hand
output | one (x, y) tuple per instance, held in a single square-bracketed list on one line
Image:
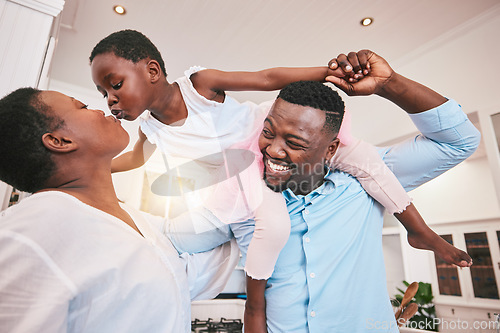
[(349, 68), (365, 72), (334, 70)]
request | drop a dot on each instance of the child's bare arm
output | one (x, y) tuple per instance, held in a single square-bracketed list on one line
[(212, 83), (255, 306), (135, 158)]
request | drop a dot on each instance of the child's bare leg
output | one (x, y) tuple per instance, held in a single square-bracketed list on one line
[(255, 306), (420, 236)]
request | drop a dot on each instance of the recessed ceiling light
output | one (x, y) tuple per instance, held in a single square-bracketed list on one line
[(366, 21), (119, 9)]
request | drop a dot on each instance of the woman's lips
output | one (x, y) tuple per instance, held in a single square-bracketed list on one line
[(115, 119)]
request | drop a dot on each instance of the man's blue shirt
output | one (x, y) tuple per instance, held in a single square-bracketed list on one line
[(330, 276)]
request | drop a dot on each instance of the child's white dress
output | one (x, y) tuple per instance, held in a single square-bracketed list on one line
[(214, 173)]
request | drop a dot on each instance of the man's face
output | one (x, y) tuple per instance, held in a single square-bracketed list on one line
[(91, 130), (295, 147), (123, 83)]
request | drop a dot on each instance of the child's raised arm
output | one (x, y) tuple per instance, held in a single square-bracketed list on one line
[(212, 83), (142, 151)]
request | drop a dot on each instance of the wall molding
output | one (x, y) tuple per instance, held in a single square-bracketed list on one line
[(451, 35), (50, 7)]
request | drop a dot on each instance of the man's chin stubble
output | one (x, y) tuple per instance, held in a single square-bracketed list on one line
[(274, 188)]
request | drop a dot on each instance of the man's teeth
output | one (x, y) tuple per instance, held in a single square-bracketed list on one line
[(277, 167)]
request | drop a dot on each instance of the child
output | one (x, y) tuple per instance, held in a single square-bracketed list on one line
[(194, 119)]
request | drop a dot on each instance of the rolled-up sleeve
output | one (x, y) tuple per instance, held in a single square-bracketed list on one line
[(447, 138)]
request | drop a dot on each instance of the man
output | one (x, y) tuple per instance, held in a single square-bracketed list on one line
[(330, 275), (73, 258)]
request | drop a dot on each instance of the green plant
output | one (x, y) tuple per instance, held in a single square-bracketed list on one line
[(426, 314)]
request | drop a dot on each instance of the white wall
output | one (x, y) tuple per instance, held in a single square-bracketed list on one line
[(466, 192), (394, 267), (462, 66)]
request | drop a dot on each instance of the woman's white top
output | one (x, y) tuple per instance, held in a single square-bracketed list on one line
[(68, 267)]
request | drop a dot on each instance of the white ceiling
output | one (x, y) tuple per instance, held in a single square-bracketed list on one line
[(251, 35)]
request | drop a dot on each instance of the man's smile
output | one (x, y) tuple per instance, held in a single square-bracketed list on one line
[(277, 167)]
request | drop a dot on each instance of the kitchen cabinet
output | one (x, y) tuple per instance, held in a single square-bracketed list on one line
[(466, 299), (469, 296), (480, 282), (484, 282)]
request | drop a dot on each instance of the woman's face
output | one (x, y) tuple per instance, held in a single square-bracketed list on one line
[(90, 129)]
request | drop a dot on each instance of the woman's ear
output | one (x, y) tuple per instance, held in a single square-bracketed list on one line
[(58, 144), (154, 71), (332, 149)]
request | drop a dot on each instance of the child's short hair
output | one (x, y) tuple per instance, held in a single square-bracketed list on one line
[(25, 164), (131, 45), (319, 96)]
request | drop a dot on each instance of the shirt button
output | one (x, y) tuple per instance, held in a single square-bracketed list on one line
[(312, 275), (307, 239), (306, 211), (313, 314)]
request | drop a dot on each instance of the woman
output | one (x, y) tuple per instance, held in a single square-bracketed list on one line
[(73, 257)]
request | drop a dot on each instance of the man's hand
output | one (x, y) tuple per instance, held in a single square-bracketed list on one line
[(365, 73)]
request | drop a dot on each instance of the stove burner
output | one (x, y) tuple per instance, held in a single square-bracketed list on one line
[(222, 326)]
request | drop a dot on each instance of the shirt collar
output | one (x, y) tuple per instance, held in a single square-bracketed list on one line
[(331, 180)]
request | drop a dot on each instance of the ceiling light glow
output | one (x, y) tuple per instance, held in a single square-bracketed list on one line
[(119, 10), (366, 21)]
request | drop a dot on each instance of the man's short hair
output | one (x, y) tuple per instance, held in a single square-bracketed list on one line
[(318, 96), (130, 45), (25, 163)]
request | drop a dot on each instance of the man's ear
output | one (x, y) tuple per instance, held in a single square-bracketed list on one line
[(332, 149), (58, 144), (154, 71)]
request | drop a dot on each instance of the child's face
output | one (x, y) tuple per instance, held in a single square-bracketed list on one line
[(125, 85)]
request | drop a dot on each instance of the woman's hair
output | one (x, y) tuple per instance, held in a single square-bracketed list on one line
[(25, 163), (318, 96), (130, 45)]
